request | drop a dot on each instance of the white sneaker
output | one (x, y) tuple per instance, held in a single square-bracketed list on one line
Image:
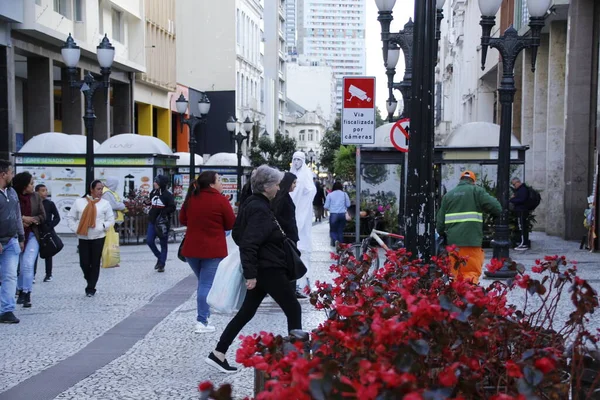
[(201, 328)]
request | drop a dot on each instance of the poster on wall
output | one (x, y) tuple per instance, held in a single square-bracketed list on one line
[(65, 184), (229, 180), (131, 180)]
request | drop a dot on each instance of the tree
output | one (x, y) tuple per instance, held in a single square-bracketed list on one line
[(331, 142), (345, 163), (379, 119), (276, 153)]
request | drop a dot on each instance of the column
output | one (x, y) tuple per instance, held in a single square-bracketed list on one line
[(7, 102), (40, 97), (102, 110), (144, 119), (555, 140), (527, 97), (164, 125), (540, 123), (72, 105), (578, 169), (122, 108)]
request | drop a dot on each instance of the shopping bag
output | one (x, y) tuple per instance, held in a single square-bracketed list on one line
[(111, 253), (229, 286)]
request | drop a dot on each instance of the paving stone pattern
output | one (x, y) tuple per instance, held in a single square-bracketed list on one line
[(167, 362)]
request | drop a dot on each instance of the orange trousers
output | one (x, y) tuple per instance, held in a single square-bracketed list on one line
[(474, 263)]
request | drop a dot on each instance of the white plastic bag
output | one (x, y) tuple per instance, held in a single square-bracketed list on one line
[(229, 286)]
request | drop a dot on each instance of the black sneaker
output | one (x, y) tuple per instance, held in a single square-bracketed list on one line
[(222, 366), (21, 297), (161, 268), (48, 278), (156, 265), (27, 300), (9, 318)]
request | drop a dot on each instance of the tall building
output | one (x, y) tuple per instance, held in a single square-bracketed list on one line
[(219, 53), (291, 27), (334, 31), (274, 63), (35, 95)]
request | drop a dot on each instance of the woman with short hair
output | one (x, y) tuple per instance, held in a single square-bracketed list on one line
[(207, 215), (32, 214), (262, 254), (90, 218), (337, 203)]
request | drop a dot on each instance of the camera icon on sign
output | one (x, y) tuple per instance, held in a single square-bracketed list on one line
[(356, 92)]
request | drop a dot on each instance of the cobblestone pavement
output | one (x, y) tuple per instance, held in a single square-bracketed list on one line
[(167, 363)]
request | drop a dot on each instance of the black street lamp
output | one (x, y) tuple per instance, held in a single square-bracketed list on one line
[(203, 108), (311, 158), (419, 45), (106, 54), (239, 138), (509, 45)]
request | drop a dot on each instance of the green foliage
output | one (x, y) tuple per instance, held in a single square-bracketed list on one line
[(331, 142), (276, 153), (379, 120), (345, 163)]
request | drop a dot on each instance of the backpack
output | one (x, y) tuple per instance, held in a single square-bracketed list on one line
[(533, 198)]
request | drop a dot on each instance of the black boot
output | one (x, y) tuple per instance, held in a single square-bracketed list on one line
[(161, 267), (156, 265), (27, 300), (20, 297)]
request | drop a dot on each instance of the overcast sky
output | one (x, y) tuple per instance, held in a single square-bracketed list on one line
[(403, 10)]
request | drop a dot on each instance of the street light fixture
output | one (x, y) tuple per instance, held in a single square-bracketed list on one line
[(311, 158), (105, 53), (239, 138), (509, 45), (203, 108)]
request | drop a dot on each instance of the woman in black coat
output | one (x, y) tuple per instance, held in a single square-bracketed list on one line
[(284, 208), (262, 254)]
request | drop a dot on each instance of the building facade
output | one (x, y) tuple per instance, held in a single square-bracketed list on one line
[(307, 127), (155, 87), (291, 27), (312, 85), (39, 97), (555, 111), (334, 32), (274, 65)]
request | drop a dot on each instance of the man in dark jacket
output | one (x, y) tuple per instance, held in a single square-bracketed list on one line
[(52, 220), (319, 201), (460, 218), (12, 239), (162, 205), (519, 202)]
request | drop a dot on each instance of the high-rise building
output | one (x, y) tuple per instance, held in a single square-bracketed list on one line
[(291, 27), (334, 30)]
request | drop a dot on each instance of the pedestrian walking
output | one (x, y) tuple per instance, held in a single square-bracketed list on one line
[(207, 215), (337, 203), (263, 262), (519, 201), (12, 241), (162, 205), (460, 218), (319, 201), (285, 211), (90, 218), (52, 220), (32, 214)]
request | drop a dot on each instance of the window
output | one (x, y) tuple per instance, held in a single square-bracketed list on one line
[(117, 25), (62, 7), (78, 6)]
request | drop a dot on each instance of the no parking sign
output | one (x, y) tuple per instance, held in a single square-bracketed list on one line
[(399, 135)]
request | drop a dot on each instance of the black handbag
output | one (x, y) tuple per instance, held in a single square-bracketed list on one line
[(179, 255), (50, 243), (161, 226), (296, 268)]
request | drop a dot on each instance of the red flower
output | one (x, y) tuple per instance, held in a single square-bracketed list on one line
[(495, 265), (449, 376), (413, 396), (502, 396), (205, 386), (513, 369), (545, 364), (537, 269)]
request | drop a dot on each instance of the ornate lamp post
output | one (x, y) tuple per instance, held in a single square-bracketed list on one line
[(311, 158), (203, 108), (106, 54), (239, 138), (510, 44)]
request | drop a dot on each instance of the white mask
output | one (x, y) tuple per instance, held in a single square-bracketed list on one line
[(297, 163)]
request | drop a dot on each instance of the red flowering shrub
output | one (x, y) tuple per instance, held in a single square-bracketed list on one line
[(408, 331)]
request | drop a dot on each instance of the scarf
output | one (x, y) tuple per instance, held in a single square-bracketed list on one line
[(25, 203), (88, 217)]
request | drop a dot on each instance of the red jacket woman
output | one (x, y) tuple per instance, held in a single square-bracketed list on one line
[(207, 215)]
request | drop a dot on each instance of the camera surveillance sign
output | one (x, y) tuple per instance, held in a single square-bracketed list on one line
[(358, 111)]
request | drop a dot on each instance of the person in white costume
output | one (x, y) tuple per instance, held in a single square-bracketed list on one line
[(303, 199)]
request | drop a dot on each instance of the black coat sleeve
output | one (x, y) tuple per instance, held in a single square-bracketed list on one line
[(257, 230), (520, 196), (52, 216), (169, 202), (286, 216)]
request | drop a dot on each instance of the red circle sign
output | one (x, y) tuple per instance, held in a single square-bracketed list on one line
[(402, 125)]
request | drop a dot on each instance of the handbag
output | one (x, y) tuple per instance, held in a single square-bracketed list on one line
[(179, 255), (296, 268), (162, 225), (50, 243)]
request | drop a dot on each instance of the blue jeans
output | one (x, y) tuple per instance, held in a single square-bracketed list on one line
[(337, 222), (9, 261), (26, 264), (205, 270), (164, 244)]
